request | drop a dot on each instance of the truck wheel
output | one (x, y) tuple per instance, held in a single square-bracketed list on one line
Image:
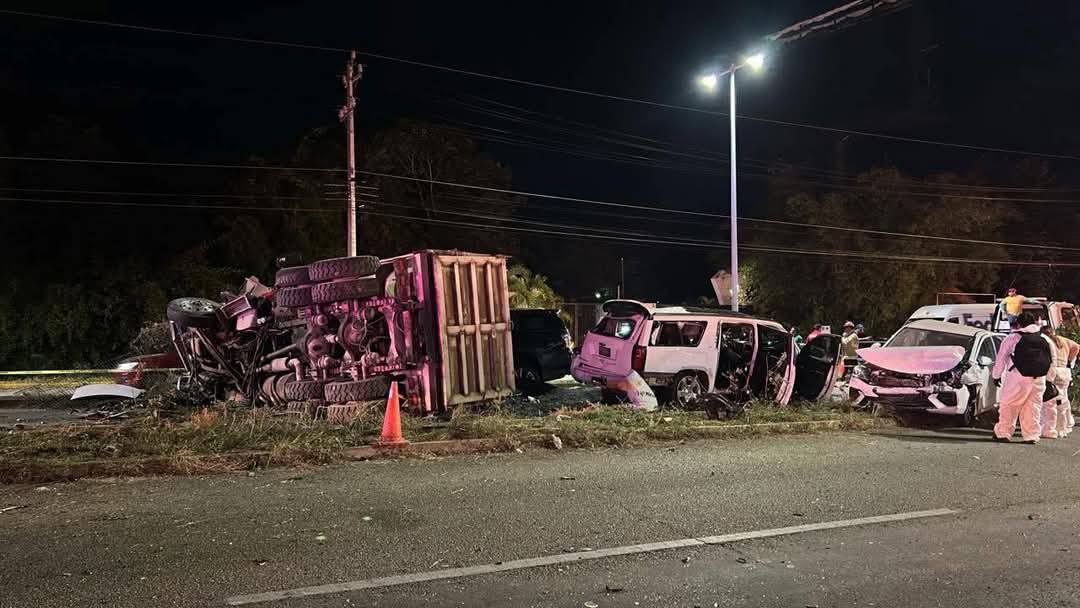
[(343, 268), (293, 297), (291, 277), (193, 312), (369, 389), (354, 289), (686, 389), (304, 390)]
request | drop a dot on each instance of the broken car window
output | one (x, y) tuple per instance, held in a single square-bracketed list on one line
[(677, 333), (615, 328)]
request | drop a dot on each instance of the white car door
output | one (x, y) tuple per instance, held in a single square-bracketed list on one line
[(679, 345)]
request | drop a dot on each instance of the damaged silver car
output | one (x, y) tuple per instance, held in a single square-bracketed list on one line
[(930, 366)]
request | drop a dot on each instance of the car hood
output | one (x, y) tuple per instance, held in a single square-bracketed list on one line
[(914, 359)]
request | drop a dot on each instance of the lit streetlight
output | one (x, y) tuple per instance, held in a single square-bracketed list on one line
[(709, 83)]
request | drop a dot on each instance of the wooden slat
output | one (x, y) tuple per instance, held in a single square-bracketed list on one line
[(481, 376)]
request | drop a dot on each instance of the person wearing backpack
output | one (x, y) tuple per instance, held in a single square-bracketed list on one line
[(1023, 363)]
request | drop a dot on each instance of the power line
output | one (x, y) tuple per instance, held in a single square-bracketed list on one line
[(703, 153), (542, 85), (577, 199), (622, 238)]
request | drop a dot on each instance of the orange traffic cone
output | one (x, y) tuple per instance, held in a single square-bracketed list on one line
[(391, 428)]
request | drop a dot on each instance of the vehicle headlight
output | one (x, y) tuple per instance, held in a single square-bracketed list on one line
[(130, 365)]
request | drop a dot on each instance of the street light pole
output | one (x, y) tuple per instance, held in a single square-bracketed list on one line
[(734, 206), (709, 83)]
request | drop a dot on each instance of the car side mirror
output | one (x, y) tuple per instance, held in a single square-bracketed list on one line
[(985, 361)]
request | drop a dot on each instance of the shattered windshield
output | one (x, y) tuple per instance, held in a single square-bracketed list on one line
[(911, 336)]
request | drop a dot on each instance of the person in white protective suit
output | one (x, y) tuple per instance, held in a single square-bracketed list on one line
[(1023, 363), (1057, 417)]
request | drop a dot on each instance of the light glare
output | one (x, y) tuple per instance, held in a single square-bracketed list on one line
[(708, 81), (756, 61)]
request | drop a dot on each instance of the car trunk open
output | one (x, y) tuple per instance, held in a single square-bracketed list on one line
[(607, 350)]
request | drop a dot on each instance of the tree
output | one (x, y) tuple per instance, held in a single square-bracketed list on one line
[(529, 290), (803, 289), (413, 156)]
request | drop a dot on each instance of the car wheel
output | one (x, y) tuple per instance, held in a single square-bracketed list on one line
[(193, 312), (686, 389), (343, 268)]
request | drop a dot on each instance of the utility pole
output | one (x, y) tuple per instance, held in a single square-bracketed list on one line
[(353, 72)]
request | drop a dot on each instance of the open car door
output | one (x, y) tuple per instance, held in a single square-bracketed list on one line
[(607, 349), (816, 367)]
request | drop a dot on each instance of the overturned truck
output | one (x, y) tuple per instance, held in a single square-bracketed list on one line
[(341, 330)]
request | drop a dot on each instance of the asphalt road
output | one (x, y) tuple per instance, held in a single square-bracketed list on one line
[(199, 541)]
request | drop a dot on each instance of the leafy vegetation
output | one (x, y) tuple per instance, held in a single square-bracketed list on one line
[(530, 290), (807, 289)]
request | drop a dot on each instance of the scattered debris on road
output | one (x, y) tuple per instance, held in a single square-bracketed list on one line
[(556, 442), (13, 508)]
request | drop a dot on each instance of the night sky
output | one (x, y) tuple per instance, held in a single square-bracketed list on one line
[(999, 74)]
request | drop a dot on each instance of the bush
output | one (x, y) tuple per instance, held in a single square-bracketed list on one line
[(153, 338)]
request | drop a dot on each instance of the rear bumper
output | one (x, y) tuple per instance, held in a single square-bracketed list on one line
[(589, 374), (928, 398)]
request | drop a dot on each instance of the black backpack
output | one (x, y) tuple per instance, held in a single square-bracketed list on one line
[(1032, 356)]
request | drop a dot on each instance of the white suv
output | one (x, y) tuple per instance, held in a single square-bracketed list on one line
[(690, 351)]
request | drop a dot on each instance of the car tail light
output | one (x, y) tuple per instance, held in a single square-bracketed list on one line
[(637, 358)]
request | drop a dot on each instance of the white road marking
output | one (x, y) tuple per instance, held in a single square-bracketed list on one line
[(563, 558)]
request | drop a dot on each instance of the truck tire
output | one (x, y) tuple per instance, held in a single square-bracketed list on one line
[(353, 289), (370, 389), (293, 297), (304, 390), (193, 312), (343, 268), (292, 276)]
